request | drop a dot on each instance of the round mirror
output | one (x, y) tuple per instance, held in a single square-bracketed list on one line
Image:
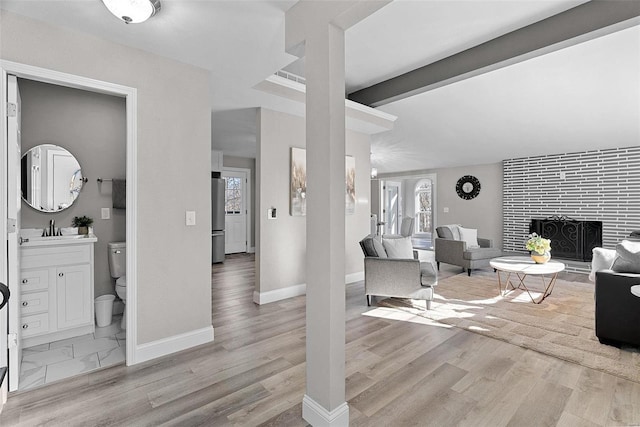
[(51, 178)]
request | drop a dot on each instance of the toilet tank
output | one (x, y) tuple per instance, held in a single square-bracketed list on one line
[(117, 259)]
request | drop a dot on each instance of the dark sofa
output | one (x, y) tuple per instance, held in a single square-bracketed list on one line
[(617, 309)]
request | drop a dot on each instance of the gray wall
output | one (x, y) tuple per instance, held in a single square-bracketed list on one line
[(247, 163), (281, 245), (92, 127), (483, 212), (599, 185), (173, 167)]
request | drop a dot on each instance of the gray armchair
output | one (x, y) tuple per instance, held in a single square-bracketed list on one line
[(396, 277), (455, 252), (406, 228)]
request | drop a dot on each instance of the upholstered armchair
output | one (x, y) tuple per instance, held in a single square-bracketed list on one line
[(617, 309), (406, 228), (454, 249), (617, 276), (394, 273)]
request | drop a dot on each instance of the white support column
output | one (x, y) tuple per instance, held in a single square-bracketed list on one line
[(325, 129), (317, 29)]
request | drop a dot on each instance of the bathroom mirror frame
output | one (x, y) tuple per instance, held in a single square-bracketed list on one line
[(51, 178)]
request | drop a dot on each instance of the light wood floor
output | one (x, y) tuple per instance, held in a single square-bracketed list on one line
[(398, 374)]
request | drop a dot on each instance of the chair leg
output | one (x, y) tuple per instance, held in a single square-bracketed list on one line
[(428, 304), (469, 272), (368, 300), (438, 265)]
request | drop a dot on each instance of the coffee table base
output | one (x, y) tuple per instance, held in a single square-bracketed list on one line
[(548, 286)]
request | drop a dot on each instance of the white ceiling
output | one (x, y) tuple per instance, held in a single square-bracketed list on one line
[(583, 97)]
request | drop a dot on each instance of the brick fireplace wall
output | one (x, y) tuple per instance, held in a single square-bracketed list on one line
[(599, 185)]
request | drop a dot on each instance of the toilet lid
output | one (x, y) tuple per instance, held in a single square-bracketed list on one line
[(122, 281)]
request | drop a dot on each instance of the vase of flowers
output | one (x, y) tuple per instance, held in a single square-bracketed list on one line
[(83, 223), (540, 248)]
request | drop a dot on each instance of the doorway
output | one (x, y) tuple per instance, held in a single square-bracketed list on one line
[(392, 207), (237, 209), (8, 224)]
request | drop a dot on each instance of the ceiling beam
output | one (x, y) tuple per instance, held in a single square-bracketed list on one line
[(581, 23)]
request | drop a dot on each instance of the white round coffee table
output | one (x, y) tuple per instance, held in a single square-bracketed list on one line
[(635, 289), (523, 266)]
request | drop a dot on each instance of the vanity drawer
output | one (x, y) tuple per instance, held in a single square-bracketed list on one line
[(34, 280), (34, 303), (55, 256), (35, 324)]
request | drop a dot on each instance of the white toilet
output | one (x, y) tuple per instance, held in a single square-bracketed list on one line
[(118, 269)]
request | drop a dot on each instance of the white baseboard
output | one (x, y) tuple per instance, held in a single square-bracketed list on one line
[(251, 250), (296, 290), (316, 415), (354, 277), (279, 294), (159, 348)]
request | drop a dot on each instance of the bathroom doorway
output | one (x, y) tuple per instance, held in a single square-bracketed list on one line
[(99, 347)]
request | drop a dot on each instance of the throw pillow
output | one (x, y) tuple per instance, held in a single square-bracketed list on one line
[(377, 245), (627, 257), (470, 236), (602, 260), (398, 248), (444, 233)]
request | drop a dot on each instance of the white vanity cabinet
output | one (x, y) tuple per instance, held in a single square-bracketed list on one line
[(56, 289)]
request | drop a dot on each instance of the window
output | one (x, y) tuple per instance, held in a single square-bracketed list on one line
[(232, 196), (424, 206)]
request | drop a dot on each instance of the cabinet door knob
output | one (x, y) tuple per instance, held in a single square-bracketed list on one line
[(25, 303), (25, 326), (25, 281), (60, 274)]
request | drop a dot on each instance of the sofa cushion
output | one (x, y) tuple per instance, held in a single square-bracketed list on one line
[(372, 247), (602, 260), (627, 257), (398, 248), (469, 236), (481, 253)]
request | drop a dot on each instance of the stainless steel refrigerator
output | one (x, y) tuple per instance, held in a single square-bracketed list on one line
[(217, 219)]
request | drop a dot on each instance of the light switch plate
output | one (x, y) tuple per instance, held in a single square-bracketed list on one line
[(191, 218), (446, 210), (105, 213)]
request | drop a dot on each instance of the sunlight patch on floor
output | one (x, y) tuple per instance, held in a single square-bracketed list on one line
[(403, 316)]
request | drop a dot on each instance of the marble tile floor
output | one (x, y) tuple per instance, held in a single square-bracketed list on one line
[(46, 363)]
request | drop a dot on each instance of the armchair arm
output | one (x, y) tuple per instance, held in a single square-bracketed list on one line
[(450, 251)]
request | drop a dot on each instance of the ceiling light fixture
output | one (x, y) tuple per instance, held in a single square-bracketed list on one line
[(133, 11)]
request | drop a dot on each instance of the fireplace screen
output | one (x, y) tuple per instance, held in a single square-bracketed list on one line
[(570, 239)]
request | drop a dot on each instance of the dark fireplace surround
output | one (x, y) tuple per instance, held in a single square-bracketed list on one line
[(570, 239)]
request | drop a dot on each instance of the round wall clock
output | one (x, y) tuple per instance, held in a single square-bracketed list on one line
[(468, 187)]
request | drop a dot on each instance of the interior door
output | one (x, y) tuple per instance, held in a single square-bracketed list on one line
[(13, 215), (391, 207), (235, 206)]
